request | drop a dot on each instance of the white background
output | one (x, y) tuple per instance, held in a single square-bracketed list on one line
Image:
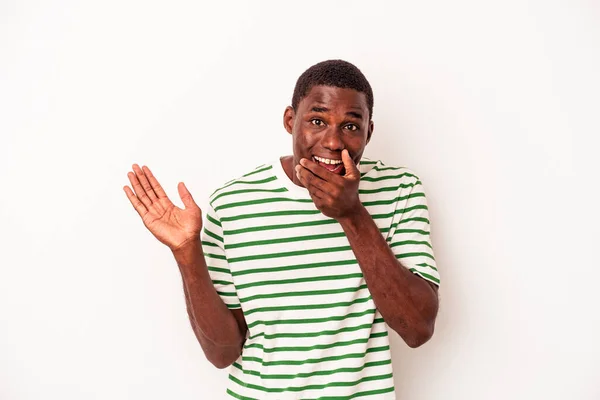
[(484, 100)]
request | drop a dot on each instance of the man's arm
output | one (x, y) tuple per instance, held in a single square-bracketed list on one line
[(220, 331), (237, 313), (407, 302)]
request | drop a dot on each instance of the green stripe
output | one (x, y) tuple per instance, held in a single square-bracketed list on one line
[(400, 211), (309, 387), (280, 226), (316, 360), (258, 169), (294, 267), (216, 256), (213, 235), (387, 188), (422, 232), (285, 240), (302, 293), (406, 242), (382, 178), (233, 306), (236, 181), (367, 162), (392, 201), (260, 201), (280, 199), (239, 396), (303, 307), (211, 219), (205, 243), (220, 282), (358, 394), (270, 214), (388, 168), (314, 373), (427, 265), (317, 346), (427, 276), (317, 334), (290, 253), (380, 190), (227, 294), (406, 220), (278, 190), (300, 280), (311, 320), (408, 255), (218, 269)]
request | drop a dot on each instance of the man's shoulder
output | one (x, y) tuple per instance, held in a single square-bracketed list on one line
[(377, 173), (253, 179)]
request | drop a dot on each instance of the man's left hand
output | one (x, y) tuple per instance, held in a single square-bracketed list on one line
[(335, 195)]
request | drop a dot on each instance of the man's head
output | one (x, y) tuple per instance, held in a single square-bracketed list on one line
[(331, 111), (335, 73)]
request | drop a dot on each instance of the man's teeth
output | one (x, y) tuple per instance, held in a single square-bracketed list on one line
[(327, 160)]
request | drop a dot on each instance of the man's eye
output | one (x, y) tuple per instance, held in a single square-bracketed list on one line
[(352, 127), (317, 122)]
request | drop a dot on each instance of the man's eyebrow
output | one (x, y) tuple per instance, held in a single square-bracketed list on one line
[(325, 109), (354, 114)]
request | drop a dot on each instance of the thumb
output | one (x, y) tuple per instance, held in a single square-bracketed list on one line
[(351, 169), (186, 196)]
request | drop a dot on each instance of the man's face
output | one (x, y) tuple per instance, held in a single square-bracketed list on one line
[(328, 120)]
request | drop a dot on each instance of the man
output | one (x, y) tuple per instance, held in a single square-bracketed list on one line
[(305, 260)]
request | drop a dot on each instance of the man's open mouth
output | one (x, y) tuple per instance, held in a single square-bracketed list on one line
[(335, 166)]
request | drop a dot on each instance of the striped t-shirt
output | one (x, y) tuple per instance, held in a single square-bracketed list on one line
[(313, 329)]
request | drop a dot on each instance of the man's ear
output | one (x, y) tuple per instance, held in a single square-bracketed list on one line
[(370, 131), (289, 115)]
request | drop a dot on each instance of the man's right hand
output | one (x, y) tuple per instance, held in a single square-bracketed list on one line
[(170, 224)]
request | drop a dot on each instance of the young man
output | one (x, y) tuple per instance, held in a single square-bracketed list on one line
[(305, 260)]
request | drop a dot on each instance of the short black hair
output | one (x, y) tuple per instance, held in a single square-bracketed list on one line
[(337, 73)]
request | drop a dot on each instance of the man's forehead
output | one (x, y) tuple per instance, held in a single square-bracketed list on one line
[(324, 95)]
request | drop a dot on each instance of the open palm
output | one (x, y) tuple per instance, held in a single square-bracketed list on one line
[(170, 224)]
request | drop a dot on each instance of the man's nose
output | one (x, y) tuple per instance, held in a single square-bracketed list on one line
[(332, 139)]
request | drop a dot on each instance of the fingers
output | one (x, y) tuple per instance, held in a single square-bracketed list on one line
[(144, 182), (315, 185), (349, 165), (139, 190), (318, 170), (308, 179), (135, 202), (317, 193), (155, 185), (186, 196)]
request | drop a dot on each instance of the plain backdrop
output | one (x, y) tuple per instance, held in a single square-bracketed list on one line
[(483, 100)]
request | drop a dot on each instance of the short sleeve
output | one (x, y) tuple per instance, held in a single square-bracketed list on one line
[(216, 260), (409, 236)]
